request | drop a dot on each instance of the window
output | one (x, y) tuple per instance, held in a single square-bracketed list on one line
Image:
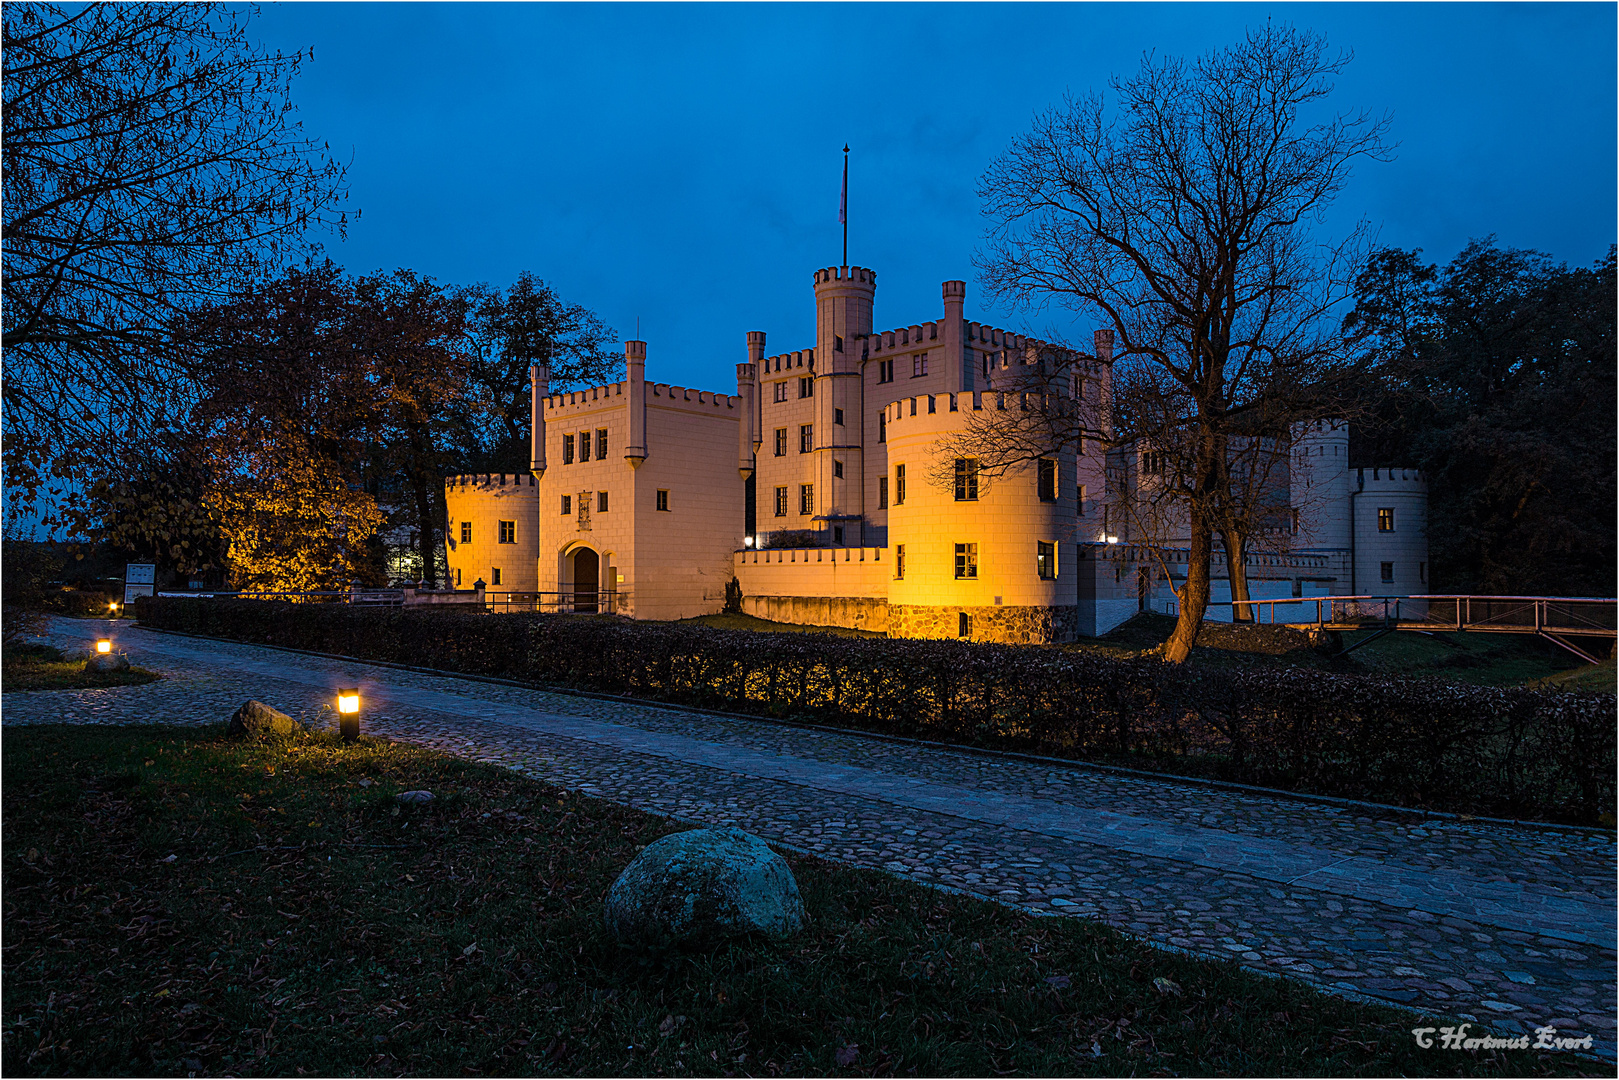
[(966, 561), (1045, 560), (837, 536), (953, 403), (458, 579), (508, 532), (1152, 463), (837, 343), (899, 561), (1422, 572), (919, 366), (964, 624), (1046, 480), (1388, 573), (601, 444), (663, 499), (567, 505), (494, 576), (882, 493), (781, 441), (966, 480), (601, 502), (882, 426), (837, 469), (933, 404), (584, 446), (466, 532), (1385, 520), (806, 387), (899, 485), (837, 416), (781, 390), (1081, 510), (806, 438), (1081, 448), (567, 449), (781, 502), (885, 371), (806, 499)]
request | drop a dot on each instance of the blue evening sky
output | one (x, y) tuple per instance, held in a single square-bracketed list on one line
[(679, 164)]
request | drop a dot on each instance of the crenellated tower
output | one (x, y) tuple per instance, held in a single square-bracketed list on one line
[(843, 309)]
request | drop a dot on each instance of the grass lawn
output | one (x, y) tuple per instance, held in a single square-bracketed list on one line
[(748, 622), (177, 902), (41, 667)]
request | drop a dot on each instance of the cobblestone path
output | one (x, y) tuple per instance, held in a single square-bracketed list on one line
[(1511, 927)]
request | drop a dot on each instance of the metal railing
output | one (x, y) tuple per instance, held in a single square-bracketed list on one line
[(571, 602)]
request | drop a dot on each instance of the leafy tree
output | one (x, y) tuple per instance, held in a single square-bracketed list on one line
[(1495, 374), (152, 163), (1182, 218), (528, 324)]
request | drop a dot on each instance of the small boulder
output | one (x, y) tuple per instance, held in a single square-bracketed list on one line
[(701, 887), (106, 663), (255, 718), (413, 798)]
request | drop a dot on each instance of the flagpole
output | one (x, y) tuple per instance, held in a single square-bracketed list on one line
[(843, 205)]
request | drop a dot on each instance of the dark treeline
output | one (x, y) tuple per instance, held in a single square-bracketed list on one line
[(326, 408), (1495, 375)]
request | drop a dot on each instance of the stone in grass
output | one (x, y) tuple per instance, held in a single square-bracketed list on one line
[(106, 663), (255, 718), (699, 888), (412, 798)]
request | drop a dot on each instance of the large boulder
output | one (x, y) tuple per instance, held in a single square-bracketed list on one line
[(255, 718), (699, 888), (106, 663)]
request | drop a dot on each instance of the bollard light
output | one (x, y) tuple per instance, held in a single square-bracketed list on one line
[(104, 646), (348, 714)]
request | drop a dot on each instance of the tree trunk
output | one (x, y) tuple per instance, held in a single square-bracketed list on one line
[(1194, 594), (426, 524), (1236, 565)]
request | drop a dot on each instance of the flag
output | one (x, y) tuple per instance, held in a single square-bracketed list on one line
[(843, 197)]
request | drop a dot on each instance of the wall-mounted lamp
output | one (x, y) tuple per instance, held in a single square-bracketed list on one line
[(348, 714), (1113, 539), (747, 541), (104, 646)]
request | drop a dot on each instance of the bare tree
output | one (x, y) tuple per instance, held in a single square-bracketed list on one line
[(152, 162), (1184, 219)]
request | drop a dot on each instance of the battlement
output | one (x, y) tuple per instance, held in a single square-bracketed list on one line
[(846, 276), (904, 336), (583, 399), (684, 397), (930, 413), (802, 359), (1380, 479), (489, 481)]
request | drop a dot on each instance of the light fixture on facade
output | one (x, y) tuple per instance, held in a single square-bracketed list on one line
[(747, 541), (348, 714), (1113, 539)]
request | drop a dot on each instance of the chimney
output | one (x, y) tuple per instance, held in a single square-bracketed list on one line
[(1104, 346), (635, 370), (958, 370), (539, 392)]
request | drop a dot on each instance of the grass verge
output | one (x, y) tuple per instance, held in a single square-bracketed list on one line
[(177, 902), (736, 621), (42, 667)]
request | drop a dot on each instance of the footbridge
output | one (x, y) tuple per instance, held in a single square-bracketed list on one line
[(1577, 623)]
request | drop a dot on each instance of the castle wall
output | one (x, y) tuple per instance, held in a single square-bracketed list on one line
[(817, 586), (484, 501)]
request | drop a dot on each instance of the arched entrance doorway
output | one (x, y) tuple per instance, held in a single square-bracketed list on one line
[(586, 579)]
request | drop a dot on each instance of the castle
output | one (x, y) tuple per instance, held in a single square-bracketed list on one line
[(647, 500)]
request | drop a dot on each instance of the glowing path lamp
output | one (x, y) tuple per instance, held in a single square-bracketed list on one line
[(104, 646), (348, 714)]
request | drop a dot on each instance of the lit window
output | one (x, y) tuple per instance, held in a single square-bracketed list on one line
[(899, 485), (966, 480), (899, 560), (601, 444), (1045, 560), (882, 493), (781, 440), (508, 532), (1046, 481), (1388, 573), (1385, 521), (966, 561), (601, 502), (567, 449), (806, 499), (663, 499), (806, 438), (781, 502), (567, 505), (466, 532)]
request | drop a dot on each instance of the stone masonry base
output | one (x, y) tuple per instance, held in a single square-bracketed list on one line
[(1010, 625)]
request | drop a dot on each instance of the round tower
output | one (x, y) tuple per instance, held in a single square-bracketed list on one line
[(1391, 533), (1319, 485), (974, 556), (843, 307)]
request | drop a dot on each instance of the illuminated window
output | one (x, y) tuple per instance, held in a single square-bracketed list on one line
[(466, 532), (508, 532), (1045, 560), (1385, 520), (966, 561)]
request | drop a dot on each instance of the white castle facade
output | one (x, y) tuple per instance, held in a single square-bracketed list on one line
[(647, 500)]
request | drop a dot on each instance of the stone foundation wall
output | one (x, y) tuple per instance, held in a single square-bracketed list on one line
[(854, 612), (1006, 624)]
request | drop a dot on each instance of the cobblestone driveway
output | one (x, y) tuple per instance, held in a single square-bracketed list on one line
[(1511, 927)]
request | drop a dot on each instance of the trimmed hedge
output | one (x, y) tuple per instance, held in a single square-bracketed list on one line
[(1533, 754)]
